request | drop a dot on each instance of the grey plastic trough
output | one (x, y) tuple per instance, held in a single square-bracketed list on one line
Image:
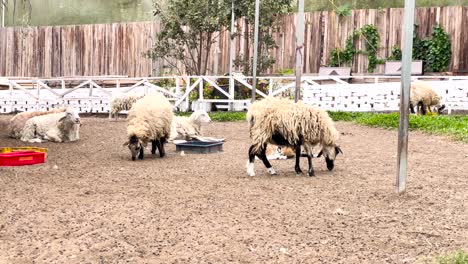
[(200, 147)]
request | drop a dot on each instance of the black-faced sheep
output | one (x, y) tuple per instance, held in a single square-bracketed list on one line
[(57, 127), (149, 119), (424, 97), (17, 122), (123, 102), (285, 123)]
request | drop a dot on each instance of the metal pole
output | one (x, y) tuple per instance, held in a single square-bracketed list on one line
[(231, 53), (299, 46), (216, 55), (254, 66), (3, 13), (404, 97)]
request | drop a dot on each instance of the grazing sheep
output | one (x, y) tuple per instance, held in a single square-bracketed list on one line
[(149, 120), (187, 128), (17, 123), (424, 97), (57, 127), (285, 123), (123, 102)]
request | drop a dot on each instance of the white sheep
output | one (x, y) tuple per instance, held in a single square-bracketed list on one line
[(188, 128), (285, 123), (424, 97), (57, 127), (149, 119), (122, 102), (17, 122)]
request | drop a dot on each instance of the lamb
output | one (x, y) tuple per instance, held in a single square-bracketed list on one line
[(17, 123), (122, 102), (424, 97), (285, 123), (56, 127), (189, 128), (149, 119)]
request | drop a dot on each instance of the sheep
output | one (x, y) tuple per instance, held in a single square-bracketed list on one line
[(149, 119), (188, 128), (285, 123), (123, 102), (17, 123), (56, 127), (424, 97)]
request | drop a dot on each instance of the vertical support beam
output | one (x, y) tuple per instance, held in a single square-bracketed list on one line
[(231, 54), (3, 13), (200, 89), (255, 48), (402, 159), (187, 102), (177, 89), (38, 102), (270, 87), (299, 47)]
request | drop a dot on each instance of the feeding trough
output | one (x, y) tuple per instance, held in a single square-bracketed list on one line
[(22, 156), (200, 147)]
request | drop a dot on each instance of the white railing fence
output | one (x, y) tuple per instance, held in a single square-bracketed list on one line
[(350, 93)]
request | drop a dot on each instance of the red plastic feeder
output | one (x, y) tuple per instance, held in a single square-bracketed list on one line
[(22, 156)]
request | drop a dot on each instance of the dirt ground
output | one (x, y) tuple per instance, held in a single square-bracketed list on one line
[(97, 206)]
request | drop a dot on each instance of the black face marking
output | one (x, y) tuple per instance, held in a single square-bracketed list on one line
[(441, 109), (330, 163)]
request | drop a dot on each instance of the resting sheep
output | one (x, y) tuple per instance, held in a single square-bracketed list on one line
[(57, 127), (424, 97), (188, 128), (149, 119), (17, 123), (285, 123), (123, 102)]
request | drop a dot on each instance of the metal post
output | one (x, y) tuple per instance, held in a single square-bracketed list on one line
[(217, 51), (231, 54), (3, 13), (299, 46), (254, 66), (404, 97)]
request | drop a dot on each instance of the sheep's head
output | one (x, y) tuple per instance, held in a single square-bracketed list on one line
[(330, 153), (70, 119), (135, 145), (200, 116)]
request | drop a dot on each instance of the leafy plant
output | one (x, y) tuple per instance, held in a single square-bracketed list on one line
[(460, 257), (286, 71), (396, 54), (343, 11), (439, 51)]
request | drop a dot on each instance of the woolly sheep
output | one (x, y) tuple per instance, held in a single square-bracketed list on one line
[(285, 123), (424, 97), (17, 123), (123, 102), (186, 128), (149, 119), (56, 127)]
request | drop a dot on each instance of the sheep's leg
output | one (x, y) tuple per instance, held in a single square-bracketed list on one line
[(423, 108), (153, 146), (160, 145), (141, 155), (250, 162), (311, 171), (297, 168), (267, 164), (411, 106)]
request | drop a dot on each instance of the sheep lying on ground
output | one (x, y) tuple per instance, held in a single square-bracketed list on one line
[(57, 127), (149, 119), (189, 128), (17, 123), (123, 102), (424, 97), (285, 123)]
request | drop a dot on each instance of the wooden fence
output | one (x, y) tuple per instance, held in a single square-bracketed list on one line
[(117, 49)]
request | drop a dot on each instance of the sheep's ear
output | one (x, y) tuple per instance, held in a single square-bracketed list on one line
[(338, 150), (63, 118), (320, 154), (126, 144)]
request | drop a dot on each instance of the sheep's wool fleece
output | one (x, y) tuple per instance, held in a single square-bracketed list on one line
[(183, 128), (421, 91), (292, 120), (19, 120), (150, 118), (44, 125)]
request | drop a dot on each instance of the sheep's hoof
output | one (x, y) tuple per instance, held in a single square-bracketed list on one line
[(298, 171), (311, 174), (272, 171)]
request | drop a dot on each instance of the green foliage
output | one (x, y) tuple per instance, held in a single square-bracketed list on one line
[(343, 11), (396, 54), (435, 52), (270, 10), (453, 126), (371, 36), (221, 116), (460, 257), (286, 72)]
